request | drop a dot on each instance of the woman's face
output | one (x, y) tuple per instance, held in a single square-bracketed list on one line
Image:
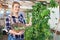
[(16, 8)]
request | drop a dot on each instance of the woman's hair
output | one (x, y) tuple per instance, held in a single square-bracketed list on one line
[(1, 4), (15, 3)]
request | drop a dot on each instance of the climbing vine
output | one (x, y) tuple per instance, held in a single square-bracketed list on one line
[(40, 29)]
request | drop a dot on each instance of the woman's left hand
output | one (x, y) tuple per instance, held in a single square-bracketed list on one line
[(21, 32)]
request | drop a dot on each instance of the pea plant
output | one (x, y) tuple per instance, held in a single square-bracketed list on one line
[(40, 29)]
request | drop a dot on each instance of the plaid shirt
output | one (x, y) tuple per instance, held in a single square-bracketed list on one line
[(8, 21)]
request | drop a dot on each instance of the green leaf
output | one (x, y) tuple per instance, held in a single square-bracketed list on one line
[(45, 12)]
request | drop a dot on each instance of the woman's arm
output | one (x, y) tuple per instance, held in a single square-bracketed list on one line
[(23, 22), (8, 26), (7, 23)]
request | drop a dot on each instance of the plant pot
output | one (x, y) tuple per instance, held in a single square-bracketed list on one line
[(17, 27), (17, 31)]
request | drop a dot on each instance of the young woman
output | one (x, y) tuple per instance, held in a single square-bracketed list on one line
[(16, 18)]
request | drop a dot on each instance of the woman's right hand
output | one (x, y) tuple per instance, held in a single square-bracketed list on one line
[(13, 32)]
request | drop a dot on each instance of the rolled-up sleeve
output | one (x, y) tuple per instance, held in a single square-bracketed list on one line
[(7, 23), (22, 19)]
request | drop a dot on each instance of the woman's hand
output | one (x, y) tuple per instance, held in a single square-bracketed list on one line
[(13, 32), (21, 32)]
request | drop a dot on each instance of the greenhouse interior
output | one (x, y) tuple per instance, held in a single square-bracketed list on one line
[(40, 19)]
